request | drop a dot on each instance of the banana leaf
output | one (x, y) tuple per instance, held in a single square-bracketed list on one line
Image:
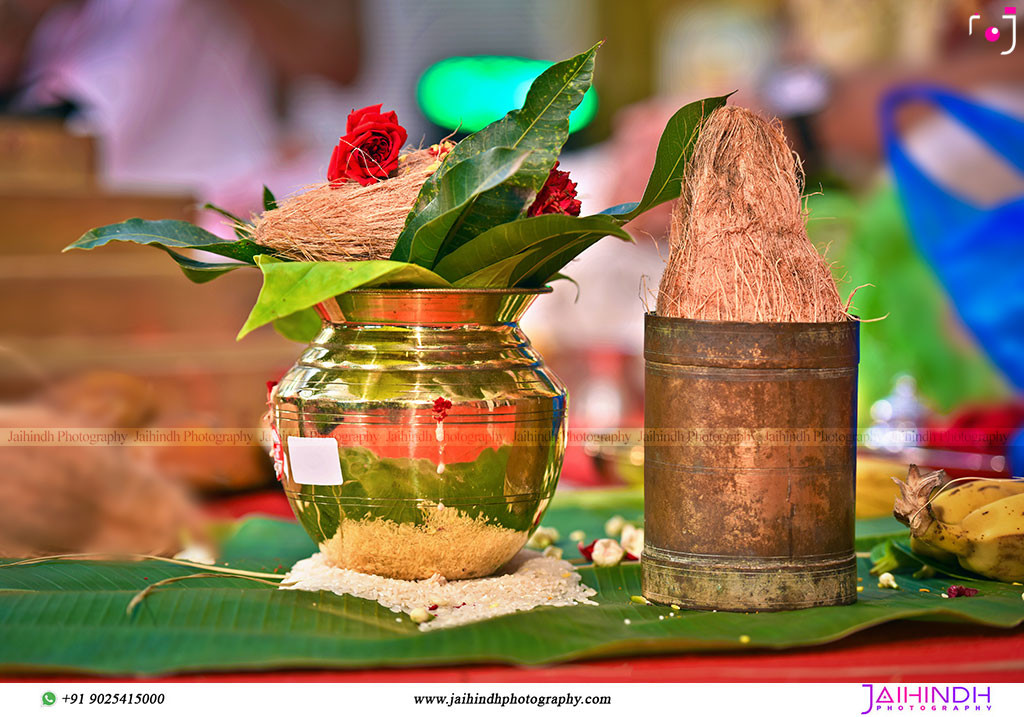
[(871, 531), (952, 570), (71, 615)]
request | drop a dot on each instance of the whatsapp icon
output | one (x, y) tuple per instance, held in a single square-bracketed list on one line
[(49, 698)]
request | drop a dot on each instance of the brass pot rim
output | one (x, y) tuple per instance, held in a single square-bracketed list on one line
[(429, 307)]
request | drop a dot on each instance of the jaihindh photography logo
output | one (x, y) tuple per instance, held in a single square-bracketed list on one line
[(993, 33), (927, 698)]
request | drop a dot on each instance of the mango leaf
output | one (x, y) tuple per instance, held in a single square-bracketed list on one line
[(546, 259), (301, 326), (200, 272), (495, 276), (269, 201), (506, 240), (70, 616), (169, 234), (538, 269), (505, 273), (542, 125), (458, 191), (674, 150), (291, 286), (563, 277), (239, 226), (533, 267)]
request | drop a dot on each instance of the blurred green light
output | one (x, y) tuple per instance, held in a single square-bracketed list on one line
[(468, 93)]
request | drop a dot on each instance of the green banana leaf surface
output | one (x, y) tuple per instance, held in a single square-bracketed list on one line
[(71, 615)]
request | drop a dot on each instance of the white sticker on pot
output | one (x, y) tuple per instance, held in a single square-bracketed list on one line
[(314, 461)]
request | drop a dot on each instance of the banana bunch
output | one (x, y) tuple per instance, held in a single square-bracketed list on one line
[(979, 524)]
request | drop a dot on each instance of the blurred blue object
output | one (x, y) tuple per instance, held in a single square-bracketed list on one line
[(977, 252), (1015, 454)]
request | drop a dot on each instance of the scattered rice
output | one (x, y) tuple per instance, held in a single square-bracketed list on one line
[(527, 581)]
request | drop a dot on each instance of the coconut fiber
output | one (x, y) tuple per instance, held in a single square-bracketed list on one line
[(739, 247), (346, 222)]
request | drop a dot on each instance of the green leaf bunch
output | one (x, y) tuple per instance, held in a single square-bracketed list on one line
[(468, 227)]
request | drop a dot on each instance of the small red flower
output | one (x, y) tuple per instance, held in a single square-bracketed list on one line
[(369, 150), (441, 408), (442, 148), (960, 591), (557, 196)]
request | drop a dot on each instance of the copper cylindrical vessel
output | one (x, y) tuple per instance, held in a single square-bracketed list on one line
[(750, 460)]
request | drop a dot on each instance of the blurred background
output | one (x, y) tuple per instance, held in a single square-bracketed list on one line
[(906, 114)]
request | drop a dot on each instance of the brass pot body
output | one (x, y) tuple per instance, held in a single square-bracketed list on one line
[(449, 430), (750, 462)]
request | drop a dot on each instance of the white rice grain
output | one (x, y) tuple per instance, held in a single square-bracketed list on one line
[(527, 581)]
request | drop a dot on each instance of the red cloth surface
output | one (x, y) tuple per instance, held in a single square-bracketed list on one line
[(899, 652)]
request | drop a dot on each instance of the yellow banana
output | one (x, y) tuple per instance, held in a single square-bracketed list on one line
[(988, 539), (955, 501)]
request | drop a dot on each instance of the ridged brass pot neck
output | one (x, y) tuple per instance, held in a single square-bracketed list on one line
[(429, 307)]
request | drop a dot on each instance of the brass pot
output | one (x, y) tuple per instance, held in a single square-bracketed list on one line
[(449, 431), (750, 460)]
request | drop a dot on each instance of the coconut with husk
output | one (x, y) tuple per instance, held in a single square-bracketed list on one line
[(739, 249), (346, 221), (752, 363)]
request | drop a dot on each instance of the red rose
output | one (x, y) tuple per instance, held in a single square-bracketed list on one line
[(369, 150), (557, 196)]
